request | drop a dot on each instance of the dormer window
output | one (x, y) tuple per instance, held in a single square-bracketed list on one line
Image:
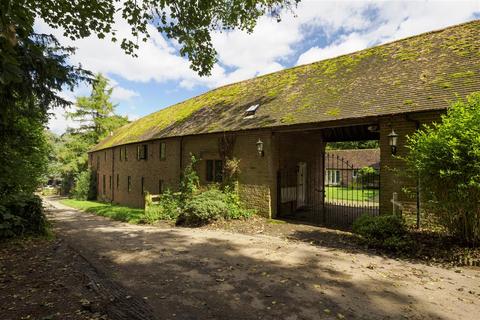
[(250, 112)]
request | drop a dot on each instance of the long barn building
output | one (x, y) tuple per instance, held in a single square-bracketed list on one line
[(278, 125)]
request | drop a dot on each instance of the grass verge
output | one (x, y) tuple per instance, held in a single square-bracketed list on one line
[(112, 211)]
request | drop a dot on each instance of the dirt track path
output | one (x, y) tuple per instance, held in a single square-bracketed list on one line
[(202, 274)]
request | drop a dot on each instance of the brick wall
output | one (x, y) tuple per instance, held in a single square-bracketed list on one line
[(256, 177), (152, 170)]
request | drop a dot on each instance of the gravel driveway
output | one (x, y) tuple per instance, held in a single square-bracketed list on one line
[(188, 273)]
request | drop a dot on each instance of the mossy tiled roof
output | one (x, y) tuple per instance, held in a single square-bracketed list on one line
[(419, 73)]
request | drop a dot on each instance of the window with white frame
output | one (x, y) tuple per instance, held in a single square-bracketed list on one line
[(333, 177)]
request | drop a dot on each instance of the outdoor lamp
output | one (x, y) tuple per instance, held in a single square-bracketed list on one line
[(392, 140), (260, 148)]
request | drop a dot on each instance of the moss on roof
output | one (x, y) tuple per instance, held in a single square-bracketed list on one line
[(419, 73)]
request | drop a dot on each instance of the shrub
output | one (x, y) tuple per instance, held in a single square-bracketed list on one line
[(190, 180), (199, 207), (236, 209), (167, 208), (446, 159), (81, 189), (386, 231), (205, 207), (22, 215)]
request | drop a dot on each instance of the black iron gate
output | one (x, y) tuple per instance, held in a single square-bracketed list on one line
[(328, 191)]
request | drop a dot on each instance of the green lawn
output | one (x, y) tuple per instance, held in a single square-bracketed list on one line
[(115, 212), (341, 193)]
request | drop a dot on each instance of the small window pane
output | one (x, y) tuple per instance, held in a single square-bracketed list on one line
[(163, 151), (103, 185), (129, 183)]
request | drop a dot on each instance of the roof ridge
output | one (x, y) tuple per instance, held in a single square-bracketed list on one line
[(323, 60), (358, 51)]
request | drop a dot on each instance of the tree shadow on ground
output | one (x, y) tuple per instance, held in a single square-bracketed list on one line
[(197, 274)]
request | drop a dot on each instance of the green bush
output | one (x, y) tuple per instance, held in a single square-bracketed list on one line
[(386, 231), (167, 208), (211, 205), (81, 187), (446, 158), (236, 210), (22, 215), (205, 207)]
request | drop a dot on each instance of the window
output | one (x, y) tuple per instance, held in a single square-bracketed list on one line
[(142, 152), (105, 155), (98, 162), (110, 182), (142, 181), (129, 183), (163, 150), (103, 185), (118, 181), (160, 186), (121, 153), (214, 170), (355, 173), (250, 112), (125, 153), (333, 177)]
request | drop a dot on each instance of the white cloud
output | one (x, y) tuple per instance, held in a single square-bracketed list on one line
[(393, 21), (58, 121), (123, 94), (319, 30), (352, 42)]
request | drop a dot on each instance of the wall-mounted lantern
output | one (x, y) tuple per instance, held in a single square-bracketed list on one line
[(392, 141), (260, 148)]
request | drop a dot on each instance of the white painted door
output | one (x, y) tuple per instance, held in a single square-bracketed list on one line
[(301, 184)]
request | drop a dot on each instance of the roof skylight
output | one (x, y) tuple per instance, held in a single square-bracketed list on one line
[(250, 112)]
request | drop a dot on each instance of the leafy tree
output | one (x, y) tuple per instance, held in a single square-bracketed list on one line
[(95, 113), (446, 158), (190, 23), (23, 152), (97, 118)]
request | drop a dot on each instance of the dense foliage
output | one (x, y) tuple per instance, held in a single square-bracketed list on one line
[(384, 231), (193, 205), (167, 208), (96, 118), (22, 215), (189, 23), (446, 158), (84, 186)]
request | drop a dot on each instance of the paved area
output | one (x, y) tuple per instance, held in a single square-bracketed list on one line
[(188, 273)]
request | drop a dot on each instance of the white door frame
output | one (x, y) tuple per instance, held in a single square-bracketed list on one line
[(301, 184)]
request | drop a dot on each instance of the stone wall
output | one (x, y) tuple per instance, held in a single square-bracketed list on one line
[(393, 175)]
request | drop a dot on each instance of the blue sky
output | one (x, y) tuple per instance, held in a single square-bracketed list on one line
[(159, 77)]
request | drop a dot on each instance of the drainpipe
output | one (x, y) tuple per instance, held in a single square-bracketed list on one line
[(181, 158), (113, 175)]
